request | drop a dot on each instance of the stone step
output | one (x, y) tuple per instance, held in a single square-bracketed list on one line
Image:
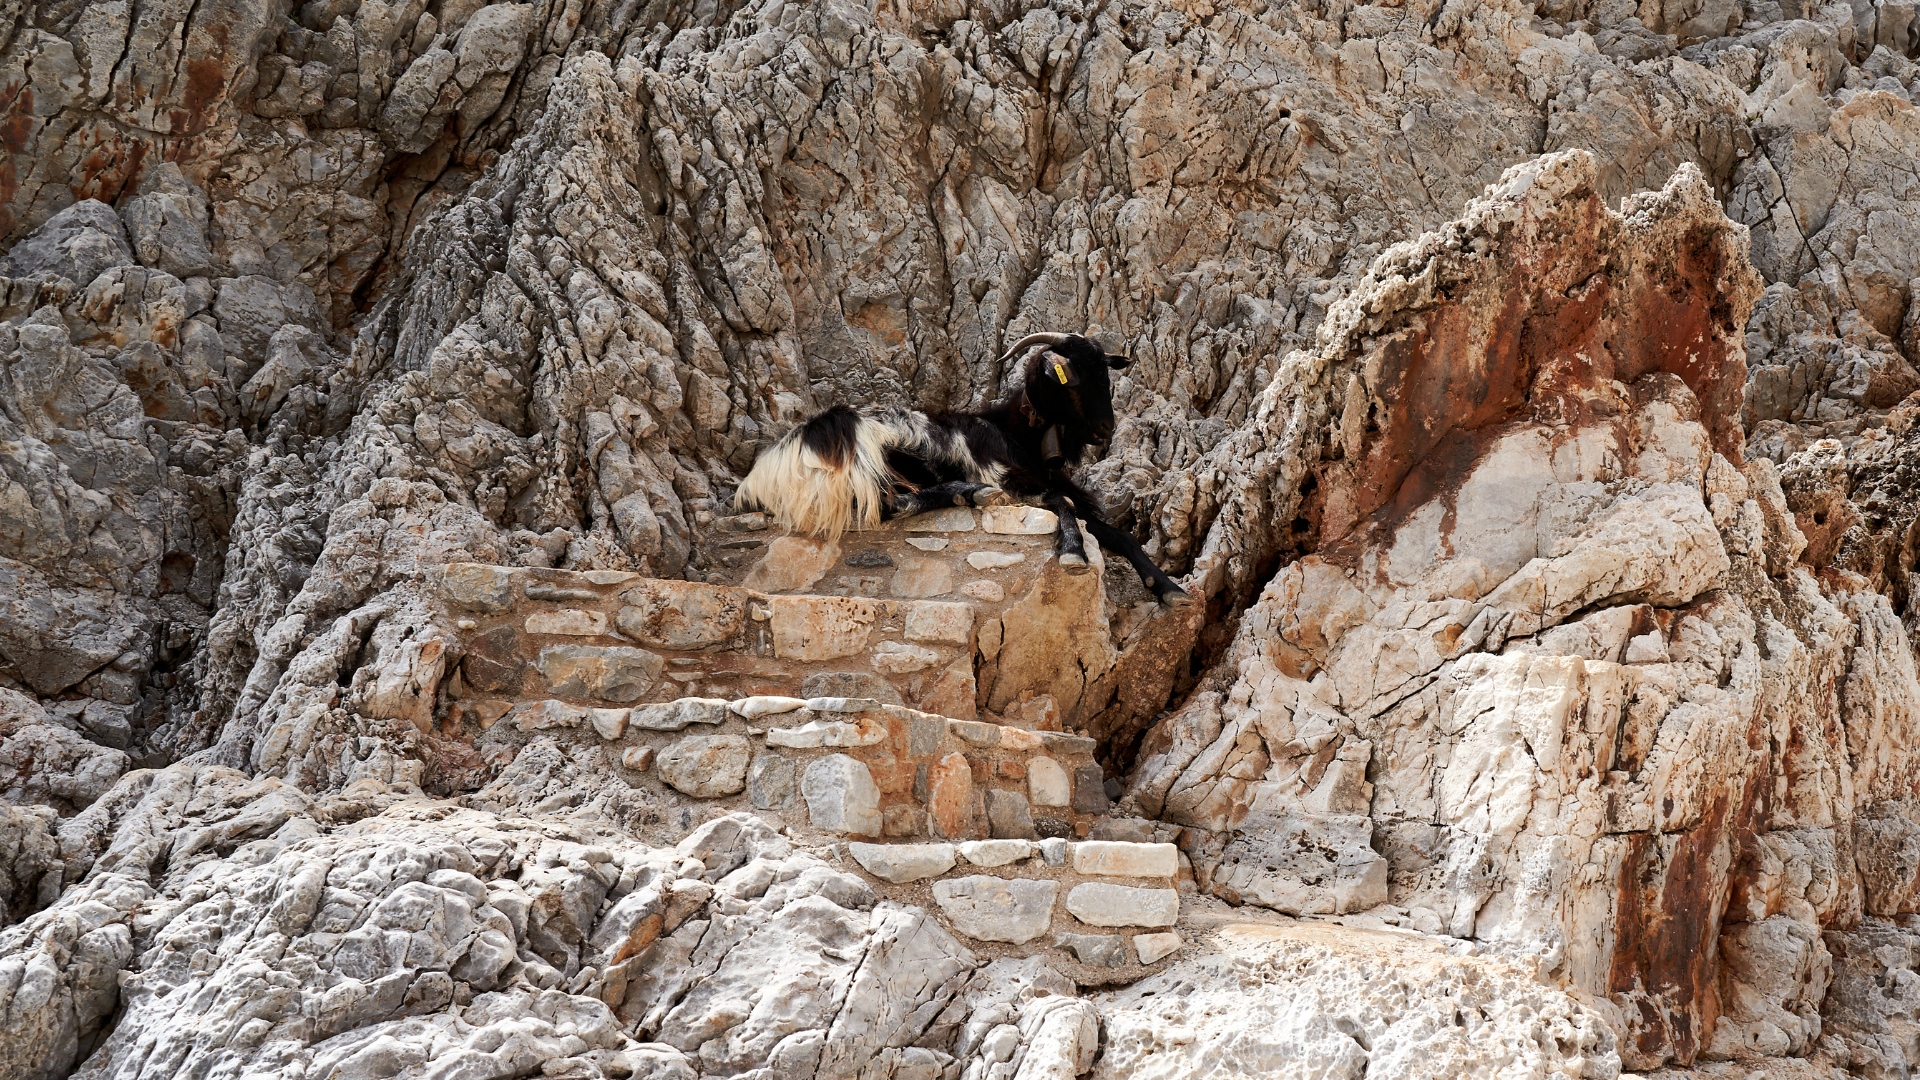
[(834, 766), (952, 622)]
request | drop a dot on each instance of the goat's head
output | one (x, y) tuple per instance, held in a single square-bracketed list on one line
[(1067, 384)]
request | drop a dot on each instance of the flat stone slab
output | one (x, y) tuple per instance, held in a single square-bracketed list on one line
[(753, 708), (996, 852), (828, 733), (951, 519), (1013, 910), (706, 766), (1156, 947), (674, 715), (1118, 858), (1099, 904), (568, 622), (1019, 520), (1048, 783), (841, 796), (1096, 950), (610, 673), (994, 560), (478, 585), (901, 863)]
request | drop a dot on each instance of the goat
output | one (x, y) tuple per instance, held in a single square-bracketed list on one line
[(843, 470)]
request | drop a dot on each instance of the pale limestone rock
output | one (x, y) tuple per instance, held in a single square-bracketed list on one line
[(929, 543), (816, 733), (1274, 996), (547, 714), (753, 708), (1047, 782), (706, 766), (478, 586), (820, 627), (1015, 910), (792, 563), (843, 704), (1153, 948), (987, 592), (899, 658), (564, 350), (841, 797), (996, 852), (770, 782), (902, 863), (677, 714), (1019, 520), (609, 672), (940, 623), (917, 578), (1303, 864), (637, 758), (568, 621), (609, 724), (681, 615), (1096, 950), (1097, 903), (950, 519), (1117, 858), (995, 560)]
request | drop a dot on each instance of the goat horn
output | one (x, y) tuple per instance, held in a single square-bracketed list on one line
[(1033, 339)]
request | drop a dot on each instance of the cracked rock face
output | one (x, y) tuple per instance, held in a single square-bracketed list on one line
[(1524, 391)]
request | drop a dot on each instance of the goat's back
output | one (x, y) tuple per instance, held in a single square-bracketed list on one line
[(826, 476)]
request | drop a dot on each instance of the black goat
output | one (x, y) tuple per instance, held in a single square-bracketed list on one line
[(842, 469)]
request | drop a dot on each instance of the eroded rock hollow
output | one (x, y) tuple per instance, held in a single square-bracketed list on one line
[(1524, 392)]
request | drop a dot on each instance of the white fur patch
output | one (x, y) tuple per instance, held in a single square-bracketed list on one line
[(804, 494)]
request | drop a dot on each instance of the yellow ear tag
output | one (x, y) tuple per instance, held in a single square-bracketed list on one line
[(1060, 372)]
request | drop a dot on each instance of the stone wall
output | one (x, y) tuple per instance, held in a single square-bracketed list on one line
[(836, 766), (912, 613)]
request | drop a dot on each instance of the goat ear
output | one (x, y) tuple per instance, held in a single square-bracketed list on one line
[(1055, 368), (1118, 363)]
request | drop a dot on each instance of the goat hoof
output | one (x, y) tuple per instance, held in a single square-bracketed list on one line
[(1073, 564), (992, 496), (1175, 598)]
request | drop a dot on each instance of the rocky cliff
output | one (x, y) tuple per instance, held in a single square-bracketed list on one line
[(1525, 392)]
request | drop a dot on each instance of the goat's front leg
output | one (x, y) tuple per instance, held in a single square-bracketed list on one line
[(1071, 548), (1164, 588), (942, 496)]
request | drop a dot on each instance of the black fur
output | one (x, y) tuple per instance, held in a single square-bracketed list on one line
[(832, 435), (1012, 433)]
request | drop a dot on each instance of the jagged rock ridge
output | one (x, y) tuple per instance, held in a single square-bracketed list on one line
[(1557, 563)]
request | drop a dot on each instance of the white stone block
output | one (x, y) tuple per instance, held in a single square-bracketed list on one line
[(1019, 520), (1119, 858), (841, 796), (828, 733), (940, 621), (990, 908), (1097, 903), (571, 622), (897, 658), (1048, 783), (994, 560), (1156, 947), (901, 863), (951, 519), (996, 852), (753, 708)]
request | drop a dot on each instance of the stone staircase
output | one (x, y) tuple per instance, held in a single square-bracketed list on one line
[(782, 689)]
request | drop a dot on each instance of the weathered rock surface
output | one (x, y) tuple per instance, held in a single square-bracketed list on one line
[(374, 377)]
